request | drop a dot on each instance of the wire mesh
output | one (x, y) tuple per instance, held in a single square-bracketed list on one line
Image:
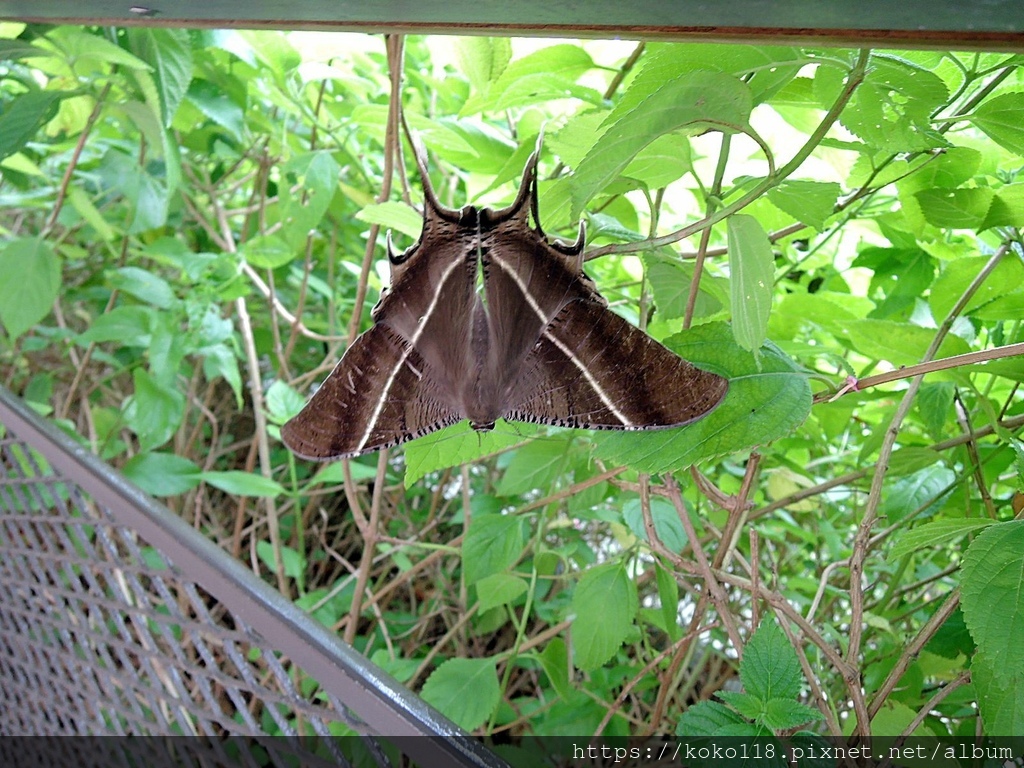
[(117, 618)]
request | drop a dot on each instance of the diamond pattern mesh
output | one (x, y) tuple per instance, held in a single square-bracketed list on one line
[(116, 620)]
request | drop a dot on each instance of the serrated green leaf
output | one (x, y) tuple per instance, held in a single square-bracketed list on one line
[(550, 73), (752, 280), (1000, 696), (77, 43), (24, 116), (898, 343), (533, 466), (694, 99), (992, 594), (770, 667), (605, 604), (162, 474), (1006, 279), (483, 59), (1007, 208), (393, 215), (956, 208), (666, 522), (499, 589), (764, 403), (492, 544), (749, 707), (459, 444), (706, 718), (999, 119), (466, 690), (934, 534), (783, 714), (241, 483), (169, 53), (919, 493), (283, 402), (31, 280), (810, 202)]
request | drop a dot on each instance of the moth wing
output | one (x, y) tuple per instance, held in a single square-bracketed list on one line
[(594, 370), (379, 395)]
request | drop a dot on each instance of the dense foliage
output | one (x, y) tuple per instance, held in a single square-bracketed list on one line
[(192, 231)]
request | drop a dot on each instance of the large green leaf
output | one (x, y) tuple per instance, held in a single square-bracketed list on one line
[(751, 280), (31, 273), (24, 116), (605, 603), (992, 586), (169, 53), (770, 668), (162, 474), (492, 544), (458, 445), (1000, 119), (696, 100), (766, 400), (466, 690), (810, 202)]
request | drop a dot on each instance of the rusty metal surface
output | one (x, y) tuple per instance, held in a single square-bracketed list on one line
[(117, 618), (987, 24)]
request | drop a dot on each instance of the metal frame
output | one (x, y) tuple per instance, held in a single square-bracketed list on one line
[(991, 25), (81, 498)]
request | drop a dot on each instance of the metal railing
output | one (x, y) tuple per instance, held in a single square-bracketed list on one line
[(118, 618)]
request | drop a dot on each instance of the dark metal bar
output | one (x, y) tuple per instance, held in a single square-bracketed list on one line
[(993, 24), (382, 703)]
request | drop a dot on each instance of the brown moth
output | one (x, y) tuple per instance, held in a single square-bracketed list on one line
[(538, 345)]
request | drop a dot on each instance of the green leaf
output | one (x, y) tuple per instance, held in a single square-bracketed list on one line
[(143, 285), (499, 589), (31, 280), (999, 119), (24, 116), (706, 718), (956, 208), (1005, 280), (920, 493), (267, 252), (555, 660), (162, 474), (1007, 208), (492, 544), (934, 534), (782, 714), (293, 561), (79, 44), (154, 412), (302, 209), (458, 445), (1000, 696), (483, 59), (661, 162), (810, 202), (770, 668), (241, 483), (666, 522), (898, 343), (752, 280), (992, 584), (550, 73), (283, 402), (169, 53), (534, 465), (668, 596), (605, 603), (764, 403), (695, 100), (393, 215), (129, 326), (466, 690), (213, 102)]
